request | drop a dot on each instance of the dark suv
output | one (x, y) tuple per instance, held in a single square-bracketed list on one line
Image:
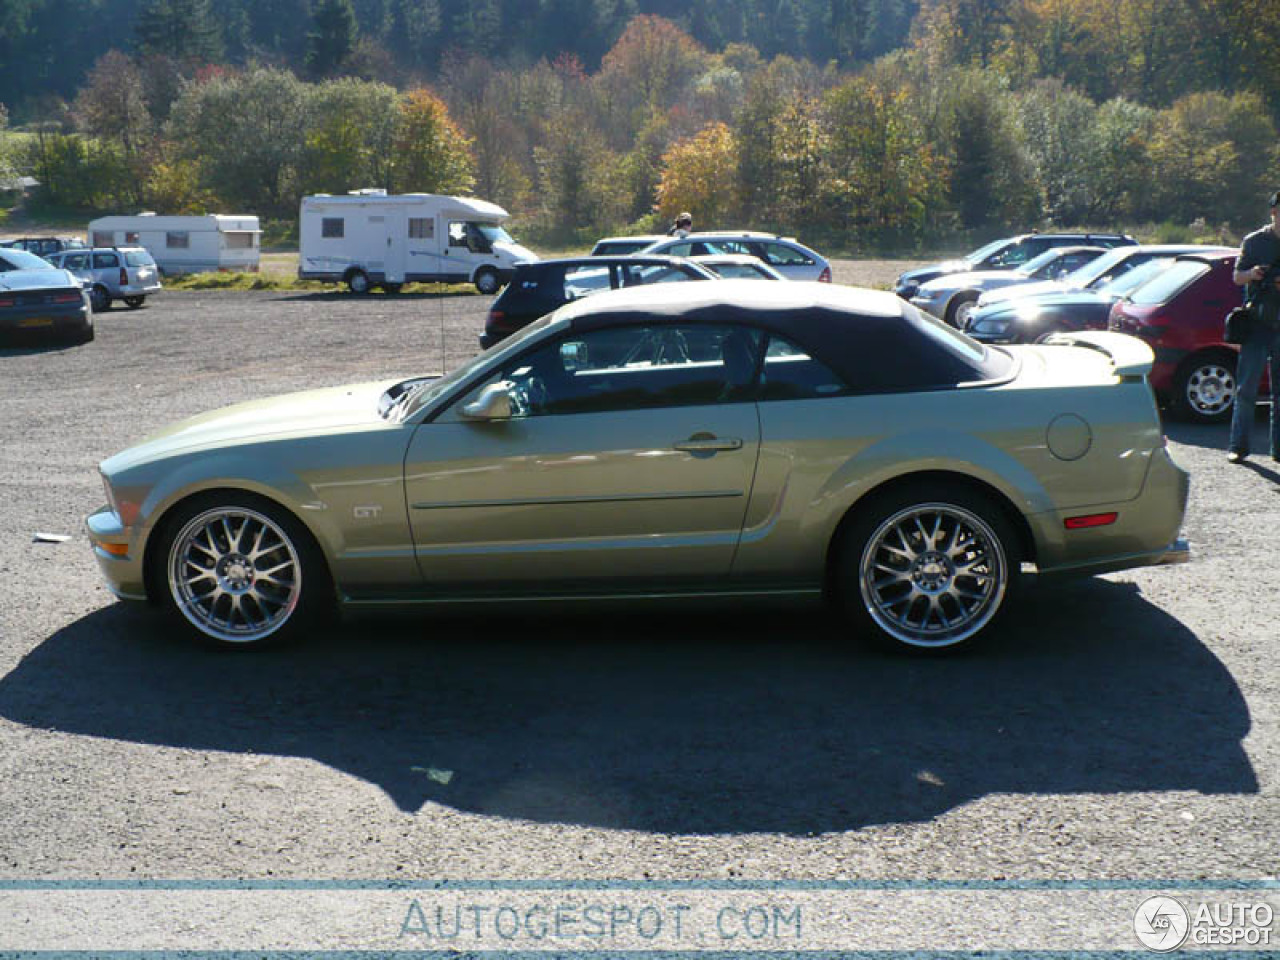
[(46, 246), (541, 286), (1005, 254)]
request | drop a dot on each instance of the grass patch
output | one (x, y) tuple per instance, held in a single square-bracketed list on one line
[(282, 281)]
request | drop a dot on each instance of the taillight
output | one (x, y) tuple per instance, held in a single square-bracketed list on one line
[(825, 275), (495, 319), (65, 298), (7, 301), (1089, 520), (124, 277)]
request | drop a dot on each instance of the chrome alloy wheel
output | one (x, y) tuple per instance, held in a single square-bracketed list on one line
[(235, 574), (933, 575), (1211, 389)]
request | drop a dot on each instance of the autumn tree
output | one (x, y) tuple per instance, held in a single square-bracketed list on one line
[(698, 175), (432, 155), (349, 136), (112, 104)]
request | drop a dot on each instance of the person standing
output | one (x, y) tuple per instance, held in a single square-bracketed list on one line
[(683, 225), (1258, 271)]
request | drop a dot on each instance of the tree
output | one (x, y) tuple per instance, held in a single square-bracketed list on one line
[(349, 139), (184, 30), (112, 104), (247, 131), (431, 154), (332, 36), (654, 60), (1057, 124), (698, 175)]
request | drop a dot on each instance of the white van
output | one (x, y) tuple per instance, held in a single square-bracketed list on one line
[(182, 244), (368, 238)]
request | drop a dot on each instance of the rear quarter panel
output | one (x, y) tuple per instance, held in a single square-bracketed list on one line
[(820, 458)]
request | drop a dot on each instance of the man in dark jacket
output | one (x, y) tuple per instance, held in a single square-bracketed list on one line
[(1258, 271)]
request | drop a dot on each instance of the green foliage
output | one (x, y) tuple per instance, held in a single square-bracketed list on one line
[(332, 38)]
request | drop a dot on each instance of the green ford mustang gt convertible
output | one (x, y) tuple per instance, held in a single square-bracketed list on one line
[(695, 440)]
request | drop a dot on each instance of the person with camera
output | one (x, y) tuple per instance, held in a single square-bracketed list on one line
[(1258, 271)]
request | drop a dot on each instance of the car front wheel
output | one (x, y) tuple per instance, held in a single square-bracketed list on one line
[(241, 571), (961, 307), (927, 569)]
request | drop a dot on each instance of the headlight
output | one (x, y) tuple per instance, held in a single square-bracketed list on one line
[(924, 293), (111, 497), (992, 326)]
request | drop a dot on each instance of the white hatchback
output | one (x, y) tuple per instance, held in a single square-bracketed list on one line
[(789, 257)]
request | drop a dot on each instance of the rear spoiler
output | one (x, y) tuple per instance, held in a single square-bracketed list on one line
[(1130, 357)]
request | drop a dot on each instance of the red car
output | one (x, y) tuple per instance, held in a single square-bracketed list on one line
[(1180, 313)]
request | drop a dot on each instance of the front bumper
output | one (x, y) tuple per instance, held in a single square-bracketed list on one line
[(118, 551)]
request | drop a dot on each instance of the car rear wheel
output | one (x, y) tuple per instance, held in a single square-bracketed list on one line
[(358, 281), (241, 571), (99, 299), (487, 282), (392, 287), (1204, 391), (960, 308), (133, 303), (927, 569)]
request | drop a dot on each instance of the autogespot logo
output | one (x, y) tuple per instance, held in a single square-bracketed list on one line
[(1161, 923)]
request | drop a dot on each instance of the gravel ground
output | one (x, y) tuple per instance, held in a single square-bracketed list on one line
[(1119, 727)]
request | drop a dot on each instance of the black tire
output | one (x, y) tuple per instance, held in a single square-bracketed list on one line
[(959, 308), (487, 281), (85, 333), (393, 288), (133, 303), (236, 570), (100, 299), (1204, 388), (358, 282), (927, 568)]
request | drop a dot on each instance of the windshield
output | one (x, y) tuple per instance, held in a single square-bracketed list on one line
[(1035, 264), (423, 391), (494, 233), (139, 258), (1097, 268), (1133, 279), (1162, 287), (983, 252), (21, 260)]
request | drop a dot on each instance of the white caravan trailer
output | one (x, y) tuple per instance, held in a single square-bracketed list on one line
[(184, 244), (368, 238)]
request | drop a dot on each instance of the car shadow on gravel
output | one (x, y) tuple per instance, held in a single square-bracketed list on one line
[(732, 722), (341, 296)]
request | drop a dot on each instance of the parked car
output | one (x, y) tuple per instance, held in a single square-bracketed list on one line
[(952, 296), (1097, 272), (36, 297), (704, 440), (113, 273), (44, 246), (1082, 301), (621, 246), (1005, 254), (789, 257), (1180, 313), (737, 266), (538, 287)]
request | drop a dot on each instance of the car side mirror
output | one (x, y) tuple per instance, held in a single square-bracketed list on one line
[(492, 403)]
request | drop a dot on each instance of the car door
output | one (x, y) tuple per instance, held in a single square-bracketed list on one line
[(627, 463)]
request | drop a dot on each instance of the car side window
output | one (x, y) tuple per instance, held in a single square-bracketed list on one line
[(584, 281), (781, 255), (643, 366), (75, 261), (791, 374), (634, 275), (105, 260), (679, 250)]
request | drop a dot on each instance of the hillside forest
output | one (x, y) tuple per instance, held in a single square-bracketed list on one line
[(856, 124)]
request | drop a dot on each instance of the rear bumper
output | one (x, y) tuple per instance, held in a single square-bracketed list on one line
[(1144, 534), (69, 318)]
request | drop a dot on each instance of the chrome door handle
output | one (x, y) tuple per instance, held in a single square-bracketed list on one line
[(706, 443)]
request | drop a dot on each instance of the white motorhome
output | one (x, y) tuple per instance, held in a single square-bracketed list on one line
[(185, 244), (368, 238)]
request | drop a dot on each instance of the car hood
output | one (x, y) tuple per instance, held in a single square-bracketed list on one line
[(37, 279), (1028, 288), (310, 413), (926, 273), (515, 251), (1045, 301)]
